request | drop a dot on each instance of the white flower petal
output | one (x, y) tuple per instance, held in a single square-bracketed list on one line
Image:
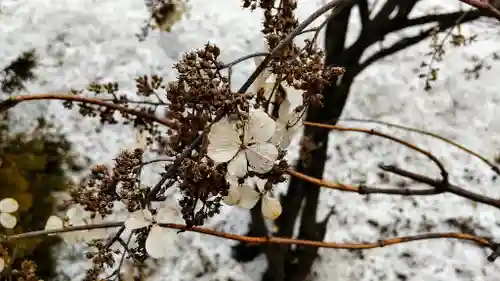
[(261, 127), (77, 215), (271, 208), (269, 86), (262, 78), (2, 264), (233, 195), (9, 205), (238, 167), (261, 157), (224, 141), (260, 183), (54, 222), (137, 220), (160, 241), (248, 196), (7, 220), (294, 97), (168, 214), (284, 112), (279, 134)]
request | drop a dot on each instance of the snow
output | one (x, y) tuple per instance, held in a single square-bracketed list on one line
[(87, 41)]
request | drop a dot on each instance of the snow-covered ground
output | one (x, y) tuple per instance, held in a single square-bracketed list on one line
[(83, 41)]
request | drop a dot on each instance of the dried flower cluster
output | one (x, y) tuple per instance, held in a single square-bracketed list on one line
[(26, 271), (239, 160)]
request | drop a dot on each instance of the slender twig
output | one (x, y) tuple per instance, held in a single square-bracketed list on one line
[(40, 233), (243, 58), (481, 241), (14, 100), (155, 161), (440, 47), (427, 133), (118, 101), (363, 189), (447, 187), (444, 173)]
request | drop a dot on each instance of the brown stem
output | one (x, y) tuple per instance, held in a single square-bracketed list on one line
[(13, 101), (481, 241), (427, 133), (362, 189), (444, 173), (446, 187)]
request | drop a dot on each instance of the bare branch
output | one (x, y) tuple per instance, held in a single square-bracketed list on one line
[(447, 187), (480, 241), (427, 133), (15, 100), (362, 189), (444, 173)]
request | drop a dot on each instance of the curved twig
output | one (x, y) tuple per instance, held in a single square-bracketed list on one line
[(444, 173), (427, 133)]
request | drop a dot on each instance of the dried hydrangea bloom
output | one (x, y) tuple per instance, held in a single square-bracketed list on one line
[(160, 239), (7, 207), (226, 144)]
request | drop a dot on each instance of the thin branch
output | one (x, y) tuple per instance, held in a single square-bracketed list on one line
[(481, 241), (427, 133), (363, 189), (438, 49), (446, 187), (155, 161), (444, 173), (243, 58), (15, 100), (118, 101), (444, 21), (41, 233)]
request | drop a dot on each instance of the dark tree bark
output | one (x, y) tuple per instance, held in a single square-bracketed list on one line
[(301, 200)]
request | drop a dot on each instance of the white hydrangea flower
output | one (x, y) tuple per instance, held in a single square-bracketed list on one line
[(160, 240), (77, 216), (254, 150), (7, 207), (244, 195)]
